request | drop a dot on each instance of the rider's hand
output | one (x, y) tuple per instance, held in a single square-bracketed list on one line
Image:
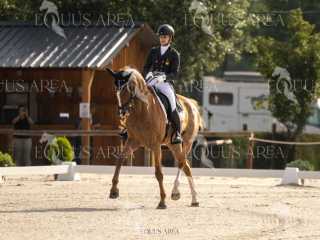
[(161, 78), (149, 76)]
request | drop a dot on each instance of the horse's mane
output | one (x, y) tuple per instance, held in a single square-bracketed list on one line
[(140, 84), (133, 70)]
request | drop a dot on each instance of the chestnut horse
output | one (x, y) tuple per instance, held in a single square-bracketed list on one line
[(145, 121)]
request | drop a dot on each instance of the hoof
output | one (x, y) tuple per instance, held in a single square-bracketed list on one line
[(114, 194), (162, 205), (175, 196), (195, 204)]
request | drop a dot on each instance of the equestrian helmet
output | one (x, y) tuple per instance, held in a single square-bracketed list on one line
[(166, 29)]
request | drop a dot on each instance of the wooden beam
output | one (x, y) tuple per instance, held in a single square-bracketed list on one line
[(86, 81)]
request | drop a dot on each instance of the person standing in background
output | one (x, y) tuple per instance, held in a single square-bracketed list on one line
[(22, 145), (77, 143)]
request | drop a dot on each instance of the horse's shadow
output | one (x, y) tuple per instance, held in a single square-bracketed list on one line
[(61, 210)]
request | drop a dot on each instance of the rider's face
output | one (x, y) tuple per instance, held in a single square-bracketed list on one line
[(164, 40)]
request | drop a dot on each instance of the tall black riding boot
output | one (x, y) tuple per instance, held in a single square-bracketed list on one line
[(176, 137), (124, 134)]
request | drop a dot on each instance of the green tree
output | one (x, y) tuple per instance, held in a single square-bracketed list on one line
[(299, 55), (200, 52)]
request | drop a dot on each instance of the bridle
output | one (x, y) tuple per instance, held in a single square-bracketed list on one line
[(124, 109)]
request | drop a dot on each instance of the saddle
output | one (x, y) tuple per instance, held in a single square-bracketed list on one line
[(165, 102)]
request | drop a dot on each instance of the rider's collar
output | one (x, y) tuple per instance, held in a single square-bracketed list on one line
[(163, 49)]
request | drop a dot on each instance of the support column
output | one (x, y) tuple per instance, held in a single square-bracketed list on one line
[(86, 81)]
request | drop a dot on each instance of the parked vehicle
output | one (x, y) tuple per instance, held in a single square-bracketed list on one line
[(239, 102)]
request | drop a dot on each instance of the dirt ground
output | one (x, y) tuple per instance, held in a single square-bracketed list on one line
[(230, 208)]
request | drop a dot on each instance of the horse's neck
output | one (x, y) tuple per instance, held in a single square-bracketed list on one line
[(141, 111)]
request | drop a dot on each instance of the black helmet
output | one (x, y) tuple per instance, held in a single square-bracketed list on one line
[(166, 29)]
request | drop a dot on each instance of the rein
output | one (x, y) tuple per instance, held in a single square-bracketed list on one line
[(124, 109)]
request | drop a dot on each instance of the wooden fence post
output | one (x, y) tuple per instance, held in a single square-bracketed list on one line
[(87, 78), (249, 163)]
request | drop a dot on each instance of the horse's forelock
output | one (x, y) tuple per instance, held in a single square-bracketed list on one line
[(134, 73)]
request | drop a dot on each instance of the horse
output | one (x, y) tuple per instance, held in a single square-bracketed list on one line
[(146, 124)]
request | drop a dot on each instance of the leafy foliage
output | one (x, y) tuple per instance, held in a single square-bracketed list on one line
[(302, 165), (60, 150), (299, 54), (6, 160)]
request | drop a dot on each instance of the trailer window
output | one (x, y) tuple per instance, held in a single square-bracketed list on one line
[(221, 98)]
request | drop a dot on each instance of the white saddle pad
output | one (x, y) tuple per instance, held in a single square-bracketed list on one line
[(161, 104)]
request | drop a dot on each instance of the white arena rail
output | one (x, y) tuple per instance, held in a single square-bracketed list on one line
[(212, 172), (35, 170), (68, 172), (309, 174)]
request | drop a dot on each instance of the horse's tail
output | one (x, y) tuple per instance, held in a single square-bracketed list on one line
[(201, 120), (201, 124), (198, 113)]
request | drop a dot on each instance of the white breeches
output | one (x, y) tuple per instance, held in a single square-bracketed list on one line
[(166, 89)]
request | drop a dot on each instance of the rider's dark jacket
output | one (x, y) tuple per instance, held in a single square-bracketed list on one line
[(169, 62)]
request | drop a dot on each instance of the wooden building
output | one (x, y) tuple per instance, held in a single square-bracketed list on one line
[(52, 75)]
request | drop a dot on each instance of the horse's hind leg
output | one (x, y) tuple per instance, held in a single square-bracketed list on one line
[(129, 148), (175, 195), (183, 164), (187, 171)]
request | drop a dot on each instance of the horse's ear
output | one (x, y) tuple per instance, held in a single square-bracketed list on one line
[(125, 75), (113, 74)]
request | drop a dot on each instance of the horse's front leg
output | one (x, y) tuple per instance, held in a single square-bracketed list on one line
[(114, 192), (129, 148), (159, 176)]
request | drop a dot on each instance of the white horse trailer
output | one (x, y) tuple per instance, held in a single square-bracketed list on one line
[(239, 102)]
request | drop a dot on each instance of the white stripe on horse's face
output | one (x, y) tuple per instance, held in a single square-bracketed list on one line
[(119, 98)]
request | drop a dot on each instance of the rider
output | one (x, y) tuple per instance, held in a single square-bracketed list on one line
[(165, 59)]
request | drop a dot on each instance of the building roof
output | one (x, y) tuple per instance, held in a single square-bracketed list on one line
[(29, 46), (242, 73), (243, 76), (238, 77)]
